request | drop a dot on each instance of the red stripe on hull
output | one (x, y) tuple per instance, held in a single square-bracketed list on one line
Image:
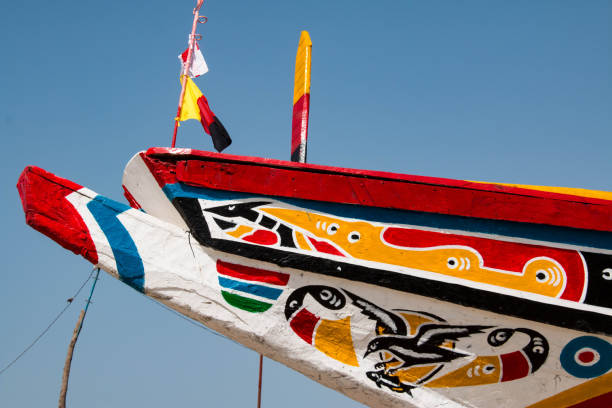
[(252, 274), (131, 199), (163, 172), (601, 401), (174, 155), (43, 196), (507, 256), (514, 366), (305, 183)]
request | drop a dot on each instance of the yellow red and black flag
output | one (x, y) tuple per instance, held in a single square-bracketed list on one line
[(195, 106)]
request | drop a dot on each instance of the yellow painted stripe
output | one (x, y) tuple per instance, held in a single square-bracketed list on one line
[(240, 231), (302, 67), (580, 192), (301, 241), (579, 393)]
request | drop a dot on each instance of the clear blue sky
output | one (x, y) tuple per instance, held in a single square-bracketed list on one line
[(483, 90)]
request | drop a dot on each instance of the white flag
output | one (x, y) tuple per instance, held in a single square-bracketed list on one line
[(198, 64)]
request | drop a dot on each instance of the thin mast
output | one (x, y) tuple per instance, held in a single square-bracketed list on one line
[(301, 99), (187, 64), (299, 126)]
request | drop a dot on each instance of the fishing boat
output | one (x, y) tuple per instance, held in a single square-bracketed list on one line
[(392, 289)]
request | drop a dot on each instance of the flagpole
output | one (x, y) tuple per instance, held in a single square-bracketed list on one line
[(186, 66)]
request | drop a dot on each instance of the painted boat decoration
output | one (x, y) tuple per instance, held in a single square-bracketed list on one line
[(394, 290)]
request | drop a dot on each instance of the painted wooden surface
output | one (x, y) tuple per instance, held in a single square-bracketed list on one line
[(388, 312), (521, 269), (388, 190)]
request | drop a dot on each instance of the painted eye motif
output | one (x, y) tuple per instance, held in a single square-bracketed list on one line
[(326, 294), (542, 276), (332, 228), (293, 304), (607, 274), (452, 262), (488, 369), (354, 237), (501, 337), (538, 349)]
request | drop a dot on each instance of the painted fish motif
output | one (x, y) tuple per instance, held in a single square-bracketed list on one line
[(536, 269), (530, 268)]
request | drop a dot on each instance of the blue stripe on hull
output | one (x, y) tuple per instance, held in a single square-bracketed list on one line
[(538, 232), (129, 262), (253, 289)]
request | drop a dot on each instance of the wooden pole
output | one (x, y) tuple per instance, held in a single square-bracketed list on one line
[(299, 135), (75, 336), (68, 363), (260, 378)]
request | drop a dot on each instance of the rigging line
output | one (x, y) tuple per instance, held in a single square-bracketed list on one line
[(201, 326), (89, 298), (187, 319), (49, 326), (192, 322)]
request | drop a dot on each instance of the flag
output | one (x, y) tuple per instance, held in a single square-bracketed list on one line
[(198, 64), (195, 106)]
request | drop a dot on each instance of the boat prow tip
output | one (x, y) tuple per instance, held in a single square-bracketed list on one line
[(47, 210)]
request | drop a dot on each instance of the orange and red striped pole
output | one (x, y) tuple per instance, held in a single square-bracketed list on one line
[(301, 99)]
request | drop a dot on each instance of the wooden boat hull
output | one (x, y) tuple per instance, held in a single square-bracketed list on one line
[(516, 265), (381, 328)]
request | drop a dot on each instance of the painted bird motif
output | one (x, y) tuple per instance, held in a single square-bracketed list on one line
[(423, 348), (387, 322)]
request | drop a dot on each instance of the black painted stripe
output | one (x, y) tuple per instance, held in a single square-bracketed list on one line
[(295, 155), (557, 315)]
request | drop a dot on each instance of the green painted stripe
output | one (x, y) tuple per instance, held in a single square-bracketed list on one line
[(241, 302)]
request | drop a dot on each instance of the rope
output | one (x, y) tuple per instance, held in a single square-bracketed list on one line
[(70, 301), (201, 326), (89, 298), (191, 321)]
